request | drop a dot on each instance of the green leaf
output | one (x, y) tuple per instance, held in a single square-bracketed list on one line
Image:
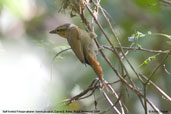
[(145, 62), (139, 34), (136, 36), (149, 59)]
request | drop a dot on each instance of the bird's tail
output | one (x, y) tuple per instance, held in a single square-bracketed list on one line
[(97, 68)]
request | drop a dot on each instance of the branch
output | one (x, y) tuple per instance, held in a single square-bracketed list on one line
[(154, 71), (55, 58), (138, 48), (166, 70), (92, 87), (120, 103), (166, 2), (157, 88), (110, 102)]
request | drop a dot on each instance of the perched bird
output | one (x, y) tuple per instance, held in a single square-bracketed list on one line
[(83, 45)]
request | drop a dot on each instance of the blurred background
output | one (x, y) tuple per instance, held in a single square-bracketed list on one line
[(30, 80)]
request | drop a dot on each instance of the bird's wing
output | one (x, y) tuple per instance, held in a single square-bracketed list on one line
[(75, 42)]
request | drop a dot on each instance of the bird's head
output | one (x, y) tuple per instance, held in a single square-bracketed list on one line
[(62, 30)]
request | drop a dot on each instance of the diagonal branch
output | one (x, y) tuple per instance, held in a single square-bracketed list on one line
[(154, 71)]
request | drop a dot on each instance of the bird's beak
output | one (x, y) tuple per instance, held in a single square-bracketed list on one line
[(52, 32)]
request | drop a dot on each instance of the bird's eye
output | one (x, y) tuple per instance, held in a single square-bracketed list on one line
[(58, 30)]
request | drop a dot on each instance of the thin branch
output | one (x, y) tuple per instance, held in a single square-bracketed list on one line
[(145, 97), (138, 48), (166, 2), (126, 53), (154, 71), (157, 88), (166, 70), (110, 102), (92, 87), (55, 58), (120, 103), (111, 107)]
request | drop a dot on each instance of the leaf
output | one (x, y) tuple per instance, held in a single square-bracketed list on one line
[(131, 39), (139, 34), (136, 36), (149, 59)]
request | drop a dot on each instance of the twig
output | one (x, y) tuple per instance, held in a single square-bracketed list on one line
[(139, 48), (157, 88), (120, 103), (92, 87), (55, 58), (154, 71), (145, 97), (110, 102), (166, 70), (111, 107), (166, 2)]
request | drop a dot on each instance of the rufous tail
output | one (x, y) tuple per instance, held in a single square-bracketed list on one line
[(97, 68)]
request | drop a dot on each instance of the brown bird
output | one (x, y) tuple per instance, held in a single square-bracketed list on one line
[(83, 45)]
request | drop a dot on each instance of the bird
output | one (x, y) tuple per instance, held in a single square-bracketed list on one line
[(83, 45)]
